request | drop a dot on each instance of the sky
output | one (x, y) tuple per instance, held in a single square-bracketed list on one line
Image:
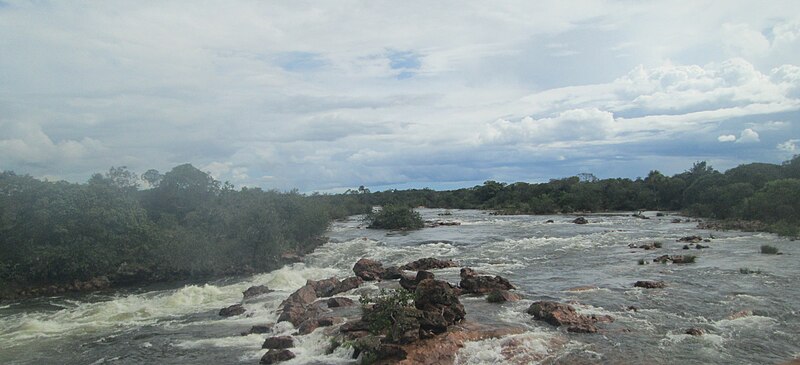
[(325, 96)]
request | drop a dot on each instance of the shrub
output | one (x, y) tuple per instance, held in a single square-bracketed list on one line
[(395, 217), (386, 310), (770, 250)]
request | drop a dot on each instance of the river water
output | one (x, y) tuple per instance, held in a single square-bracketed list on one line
[(179, 325)]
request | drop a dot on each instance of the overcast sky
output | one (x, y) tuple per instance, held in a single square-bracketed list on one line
[(324, 96)]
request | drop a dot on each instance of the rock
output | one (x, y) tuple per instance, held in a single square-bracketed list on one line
[(255, 291), (391, 273), (741, 314), (258, 329), (660, 214), (580, 220), (296, 307), (632, 308), (691, 239), (308, 326), (233, 310), (559, 314), (325, 287), (278, 342), (676, 220), (472, 283), (340, 302), (500, 296), (368, 270), (347, 285), (685, 247), (699, 246), (549, 221), (439, 302), (357, 325), (276, 356), (649, 284), (428, 263), (675, 259), (410, 284), (694, 331)]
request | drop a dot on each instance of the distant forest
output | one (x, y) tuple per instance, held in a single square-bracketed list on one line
[(185, 224)]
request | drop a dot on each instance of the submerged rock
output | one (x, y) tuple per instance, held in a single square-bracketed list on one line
[(231, 311), (258, 329), (649, 284), (560, 314), (255, 291), (694, 331)]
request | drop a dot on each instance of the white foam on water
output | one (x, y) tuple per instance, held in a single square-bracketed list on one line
[(252, 341), (753, 322), (709, 339), (527, 348)]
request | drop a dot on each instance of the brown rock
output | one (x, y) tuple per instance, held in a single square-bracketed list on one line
[(559, 314), (347, 285), (276, 356), (336, 302), (278, 342), (694, 331), (649, 284), (233, 310), (500, 296), (391, 273), (410, 284), (437, 298), (368, 269), (471, 283), (428, 263), (325, 287), (258, 329), (255, 291)]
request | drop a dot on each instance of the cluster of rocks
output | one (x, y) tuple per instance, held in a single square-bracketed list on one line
[(675, 259), (692, 239), (394, 331), (580, 220), (439, 223), (646, 246)]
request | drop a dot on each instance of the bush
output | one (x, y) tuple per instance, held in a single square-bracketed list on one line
[(395, 217), (770, 250), (387, 312)]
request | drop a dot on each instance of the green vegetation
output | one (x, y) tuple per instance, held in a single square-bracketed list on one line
[(395, 217), (769, 250), (185, 225), (386, 312), (763, 192)]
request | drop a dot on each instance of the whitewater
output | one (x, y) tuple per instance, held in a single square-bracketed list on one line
[(590, 266)]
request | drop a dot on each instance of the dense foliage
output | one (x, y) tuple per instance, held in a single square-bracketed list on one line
[(758, 191), (394, 217), (186, 224)]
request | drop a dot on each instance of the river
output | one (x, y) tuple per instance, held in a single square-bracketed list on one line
[(171, 324)]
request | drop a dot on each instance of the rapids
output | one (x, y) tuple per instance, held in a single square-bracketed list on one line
[(177, 324)]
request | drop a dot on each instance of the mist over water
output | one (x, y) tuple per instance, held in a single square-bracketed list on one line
[(178, 325)]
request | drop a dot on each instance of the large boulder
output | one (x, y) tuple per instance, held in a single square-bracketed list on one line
[(560, 314), (439, 303), (472, 283), (325, 287), (500, 296), (391, 273), (368, 270), (297, 308), (428, 263), (337, 302), (580, 220), (410, 284), (347, 285)]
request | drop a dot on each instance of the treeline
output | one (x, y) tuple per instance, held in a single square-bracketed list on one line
[(758, 191), (185, 224)]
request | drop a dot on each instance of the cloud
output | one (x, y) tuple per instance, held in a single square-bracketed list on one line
[(727, 138), (789, 146), (748, 136)]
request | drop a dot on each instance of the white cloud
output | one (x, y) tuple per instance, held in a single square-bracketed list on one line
[(726, 138), (748, 136), (789, 146), (570, 125)]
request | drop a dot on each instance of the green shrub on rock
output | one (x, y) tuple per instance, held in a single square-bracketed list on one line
[(395, 217)]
